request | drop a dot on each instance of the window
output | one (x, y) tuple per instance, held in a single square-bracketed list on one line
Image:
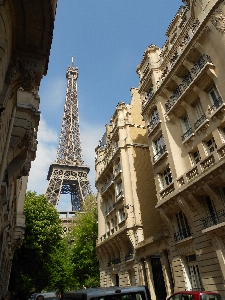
[(154, 119), (159, 148), (112, 223), (149, 94), (199, 113), (186, 127), (210, 208), (119, 189), (215, 97), (194, 274), (195, 157), (108, 226), (121, 215), (211, 145), (166, 178), (183, 229)]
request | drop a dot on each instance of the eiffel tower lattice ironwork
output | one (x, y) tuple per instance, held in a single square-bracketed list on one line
[(68, 174)]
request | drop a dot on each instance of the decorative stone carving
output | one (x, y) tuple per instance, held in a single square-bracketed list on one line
[(218, 20), (22, 71)]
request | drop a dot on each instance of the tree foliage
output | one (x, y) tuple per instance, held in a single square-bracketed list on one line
[(83, 235), (50, 260), (32, 262)]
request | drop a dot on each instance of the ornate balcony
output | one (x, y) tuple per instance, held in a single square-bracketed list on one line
[(117, 169), (114, 261), (216, 217), (148, 97), (107, 184), (188, 79), (129, 257), (182, 234), (159, 153), (200, 121), (186, 134), (153, 123), (119, 195)]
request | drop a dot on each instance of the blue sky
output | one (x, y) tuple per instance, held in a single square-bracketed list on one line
[(107, 39)]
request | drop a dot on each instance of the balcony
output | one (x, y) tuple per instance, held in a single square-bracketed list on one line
[(117, 170), (188, 79), (168, 190), (148, 97), (182, 234), (216, 218), (119, 195), (159, 153), (129, 257), (199, 121), (153, 123), (114, 261), (187, 134), (111, 208), (107, 184)]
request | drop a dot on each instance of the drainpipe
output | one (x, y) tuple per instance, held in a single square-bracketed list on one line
[(2, 168)]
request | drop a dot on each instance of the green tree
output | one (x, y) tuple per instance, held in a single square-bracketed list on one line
[(83, 235), (32, 265)]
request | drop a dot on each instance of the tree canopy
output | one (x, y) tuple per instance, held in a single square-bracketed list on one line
[(50, 260), (43, 233)]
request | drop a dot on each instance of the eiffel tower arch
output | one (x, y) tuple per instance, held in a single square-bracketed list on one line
[(68, 174)]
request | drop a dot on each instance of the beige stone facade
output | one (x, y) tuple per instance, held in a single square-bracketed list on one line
[(25, 38), (182, 93), (126, 195)]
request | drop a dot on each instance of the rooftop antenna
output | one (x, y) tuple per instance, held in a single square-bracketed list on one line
[(72, 62)]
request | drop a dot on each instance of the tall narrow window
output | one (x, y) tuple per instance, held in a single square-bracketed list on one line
[(186, 127), (215, 97), (199, 113), (166, 178), (159, 148), (213, 217), (211, 145), (194, 273), (119, 189), (154, 119), (195, 157), (183, 228)]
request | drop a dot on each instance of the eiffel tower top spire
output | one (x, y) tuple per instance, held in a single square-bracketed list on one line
[(69, 149)]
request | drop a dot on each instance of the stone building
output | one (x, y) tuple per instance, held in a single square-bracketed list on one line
[(126, 195), (26, 29), (182, 91)]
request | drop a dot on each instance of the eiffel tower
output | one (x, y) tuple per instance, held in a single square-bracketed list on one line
[(68, 174)]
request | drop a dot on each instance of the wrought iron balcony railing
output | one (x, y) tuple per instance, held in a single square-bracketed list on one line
[(216, 217), (186, 134), (117, 169), (129, 257), (107, 184), (119, 194), (148, 97), (188, 79), (200, 121), (182, 234), (159, 153), (114, 261)]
